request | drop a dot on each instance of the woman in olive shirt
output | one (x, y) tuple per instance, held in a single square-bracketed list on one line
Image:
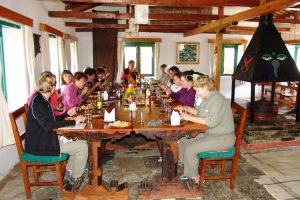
[(215, 112)]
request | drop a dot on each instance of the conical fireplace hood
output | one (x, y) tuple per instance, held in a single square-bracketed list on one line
[(266, 58)]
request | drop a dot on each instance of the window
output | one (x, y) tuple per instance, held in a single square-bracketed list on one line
[(295, 53), (14, 76), (229, 58), (143, 53), (53, 49), (73, 57)]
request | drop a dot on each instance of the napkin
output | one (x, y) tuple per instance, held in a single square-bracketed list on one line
[(110, 117), (105, 96), (175, 118)]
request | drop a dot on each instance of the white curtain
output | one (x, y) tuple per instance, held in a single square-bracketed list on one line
[(29, 55), (212, 57), (67, 54), (75, 56), (157, 54), (120, 61), (46, 65), (6, 133), (61, 55)]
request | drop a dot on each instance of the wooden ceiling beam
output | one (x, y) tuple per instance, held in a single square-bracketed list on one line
[(82, 7), (90, 15), (95, 25), (266, 8), (181, 17), (125, 26), (109, 15), (176, 3), (247, 28), (182, 27)]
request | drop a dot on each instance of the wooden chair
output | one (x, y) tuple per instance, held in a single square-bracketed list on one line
[(39, 164), (213, 158)]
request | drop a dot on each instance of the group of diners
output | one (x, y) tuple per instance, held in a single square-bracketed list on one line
[(44, 115), (202, 104)]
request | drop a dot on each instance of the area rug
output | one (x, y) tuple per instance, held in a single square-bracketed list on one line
[(282, 187), (133, 166)]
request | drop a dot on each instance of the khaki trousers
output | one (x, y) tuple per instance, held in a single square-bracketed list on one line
[(78, 154), (189, 148)]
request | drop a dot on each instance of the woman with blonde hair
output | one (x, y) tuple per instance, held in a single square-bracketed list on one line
[(215, 112), (41, 140)]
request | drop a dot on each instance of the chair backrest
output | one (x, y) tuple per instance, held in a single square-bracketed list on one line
[(18, 134), (239, 129), (26, 107)]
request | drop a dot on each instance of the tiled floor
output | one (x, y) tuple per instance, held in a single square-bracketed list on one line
[(282, 172)]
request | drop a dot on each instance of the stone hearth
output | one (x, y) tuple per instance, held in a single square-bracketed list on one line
[(281, 132)]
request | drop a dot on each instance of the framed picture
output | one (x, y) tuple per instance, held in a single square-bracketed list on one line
[(187, 52)]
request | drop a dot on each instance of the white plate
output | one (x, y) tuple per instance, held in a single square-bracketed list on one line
[(132, 109)]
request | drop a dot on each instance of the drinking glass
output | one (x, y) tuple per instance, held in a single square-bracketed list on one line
[(88, 115)]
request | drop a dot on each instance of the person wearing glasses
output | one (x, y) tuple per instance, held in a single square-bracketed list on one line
[(215, 112)]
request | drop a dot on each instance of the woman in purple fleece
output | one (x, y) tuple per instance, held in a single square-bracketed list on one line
[(186, 94)]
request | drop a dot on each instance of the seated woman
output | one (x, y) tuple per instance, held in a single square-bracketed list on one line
[(91, 84), (71, 96), (164, 78), (102, 76), (66, 79), (40, 138), (188, 94), (130, 74), (215, 112), (175, 91), (170, 72)]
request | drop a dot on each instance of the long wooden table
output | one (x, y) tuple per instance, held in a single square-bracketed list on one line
[(98, 130)]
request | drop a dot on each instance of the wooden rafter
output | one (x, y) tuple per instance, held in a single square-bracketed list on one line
[(175, 3), (109, 15), (179, 28), (177, 17), (253, 29), (81, 7), (266, 8), (125, 26)]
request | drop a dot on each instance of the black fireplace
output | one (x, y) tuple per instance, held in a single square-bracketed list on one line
[(266, 59)]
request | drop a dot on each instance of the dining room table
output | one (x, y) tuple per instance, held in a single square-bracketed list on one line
[(151, 119)]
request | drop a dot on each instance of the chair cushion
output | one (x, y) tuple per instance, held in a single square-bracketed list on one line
[(217, 154), (27, 157)]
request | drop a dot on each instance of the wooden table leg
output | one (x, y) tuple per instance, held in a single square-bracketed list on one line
[(170, 158), (95, 167)]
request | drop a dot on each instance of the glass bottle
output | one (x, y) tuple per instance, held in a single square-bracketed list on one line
[(99, 101)]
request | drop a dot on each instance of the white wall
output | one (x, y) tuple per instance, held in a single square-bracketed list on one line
[(168, 55), (38, 11)]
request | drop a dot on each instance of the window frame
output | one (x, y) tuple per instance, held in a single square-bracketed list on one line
[(3, 82), (235, 46), (138, 45), (297, 48)]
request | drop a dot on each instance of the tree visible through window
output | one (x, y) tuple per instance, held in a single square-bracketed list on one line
[(143, 53)]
